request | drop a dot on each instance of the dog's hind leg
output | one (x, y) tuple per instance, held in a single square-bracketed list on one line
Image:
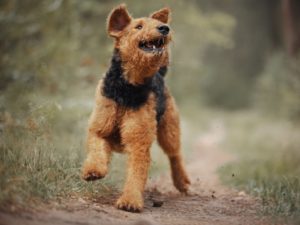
[(169, 139), (101, 125)]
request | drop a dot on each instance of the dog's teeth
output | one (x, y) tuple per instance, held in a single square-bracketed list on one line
[(153, 46)]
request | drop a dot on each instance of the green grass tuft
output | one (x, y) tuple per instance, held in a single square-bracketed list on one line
[(268, 162)]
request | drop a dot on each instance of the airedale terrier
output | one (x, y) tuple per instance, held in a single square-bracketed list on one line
[(133, 106)]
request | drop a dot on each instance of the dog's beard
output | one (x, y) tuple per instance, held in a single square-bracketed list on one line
[(153, 60)]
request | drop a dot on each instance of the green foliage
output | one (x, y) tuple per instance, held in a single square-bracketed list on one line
[(279, 86), (41, 156), (189, 50), (230, 73), (44, 45)]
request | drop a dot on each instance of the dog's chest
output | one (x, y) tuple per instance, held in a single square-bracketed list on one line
[(133, 96)]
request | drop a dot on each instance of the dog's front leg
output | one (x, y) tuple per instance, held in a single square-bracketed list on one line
[(138, 132), (137, 172), (101, 124)]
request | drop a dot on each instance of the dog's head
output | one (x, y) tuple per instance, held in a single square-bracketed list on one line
[(142, 42)]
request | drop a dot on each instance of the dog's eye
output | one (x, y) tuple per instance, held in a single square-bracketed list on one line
[(139, 27)]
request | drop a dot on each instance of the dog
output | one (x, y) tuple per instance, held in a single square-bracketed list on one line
[(134, 107)]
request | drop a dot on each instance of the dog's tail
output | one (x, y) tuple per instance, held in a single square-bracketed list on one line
[(163, 70)]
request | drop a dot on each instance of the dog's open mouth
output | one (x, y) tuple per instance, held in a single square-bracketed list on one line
[(155, 45)]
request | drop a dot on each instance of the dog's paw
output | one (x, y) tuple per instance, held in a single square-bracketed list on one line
[(93, 171), (182, 183), (130, 203), (92, 175)]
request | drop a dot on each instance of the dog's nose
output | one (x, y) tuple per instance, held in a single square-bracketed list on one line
[(163, 29)]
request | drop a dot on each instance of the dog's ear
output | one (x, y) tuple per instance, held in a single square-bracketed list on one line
[(162, 15), (117, 20)]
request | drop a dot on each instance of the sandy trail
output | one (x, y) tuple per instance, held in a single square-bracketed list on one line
[(208, 202)]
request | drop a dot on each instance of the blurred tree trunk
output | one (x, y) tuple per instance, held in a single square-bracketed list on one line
[(291, 25)]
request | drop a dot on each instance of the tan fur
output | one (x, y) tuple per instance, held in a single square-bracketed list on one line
[(169, 139), (116, 128), (136, 62)]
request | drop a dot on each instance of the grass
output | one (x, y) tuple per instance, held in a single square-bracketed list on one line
[(42, 150), (39, 160), (41, 154), (268, 162)]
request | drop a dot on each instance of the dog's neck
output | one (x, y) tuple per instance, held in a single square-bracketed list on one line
[(138, 67), (132, 73), (137, 75), (117, 88), (120, 90)]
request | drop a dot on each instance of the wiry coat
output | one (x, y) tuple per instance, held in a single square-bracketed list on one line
[(125, 94), (133, 106)]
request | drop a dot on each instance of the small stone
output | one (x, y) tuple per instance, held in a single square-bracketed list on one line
[(80, 200), (157, 203), (241, 193)]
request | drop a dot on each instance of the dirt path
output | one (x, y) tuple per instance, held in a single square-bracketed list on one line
[(208, 203)]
